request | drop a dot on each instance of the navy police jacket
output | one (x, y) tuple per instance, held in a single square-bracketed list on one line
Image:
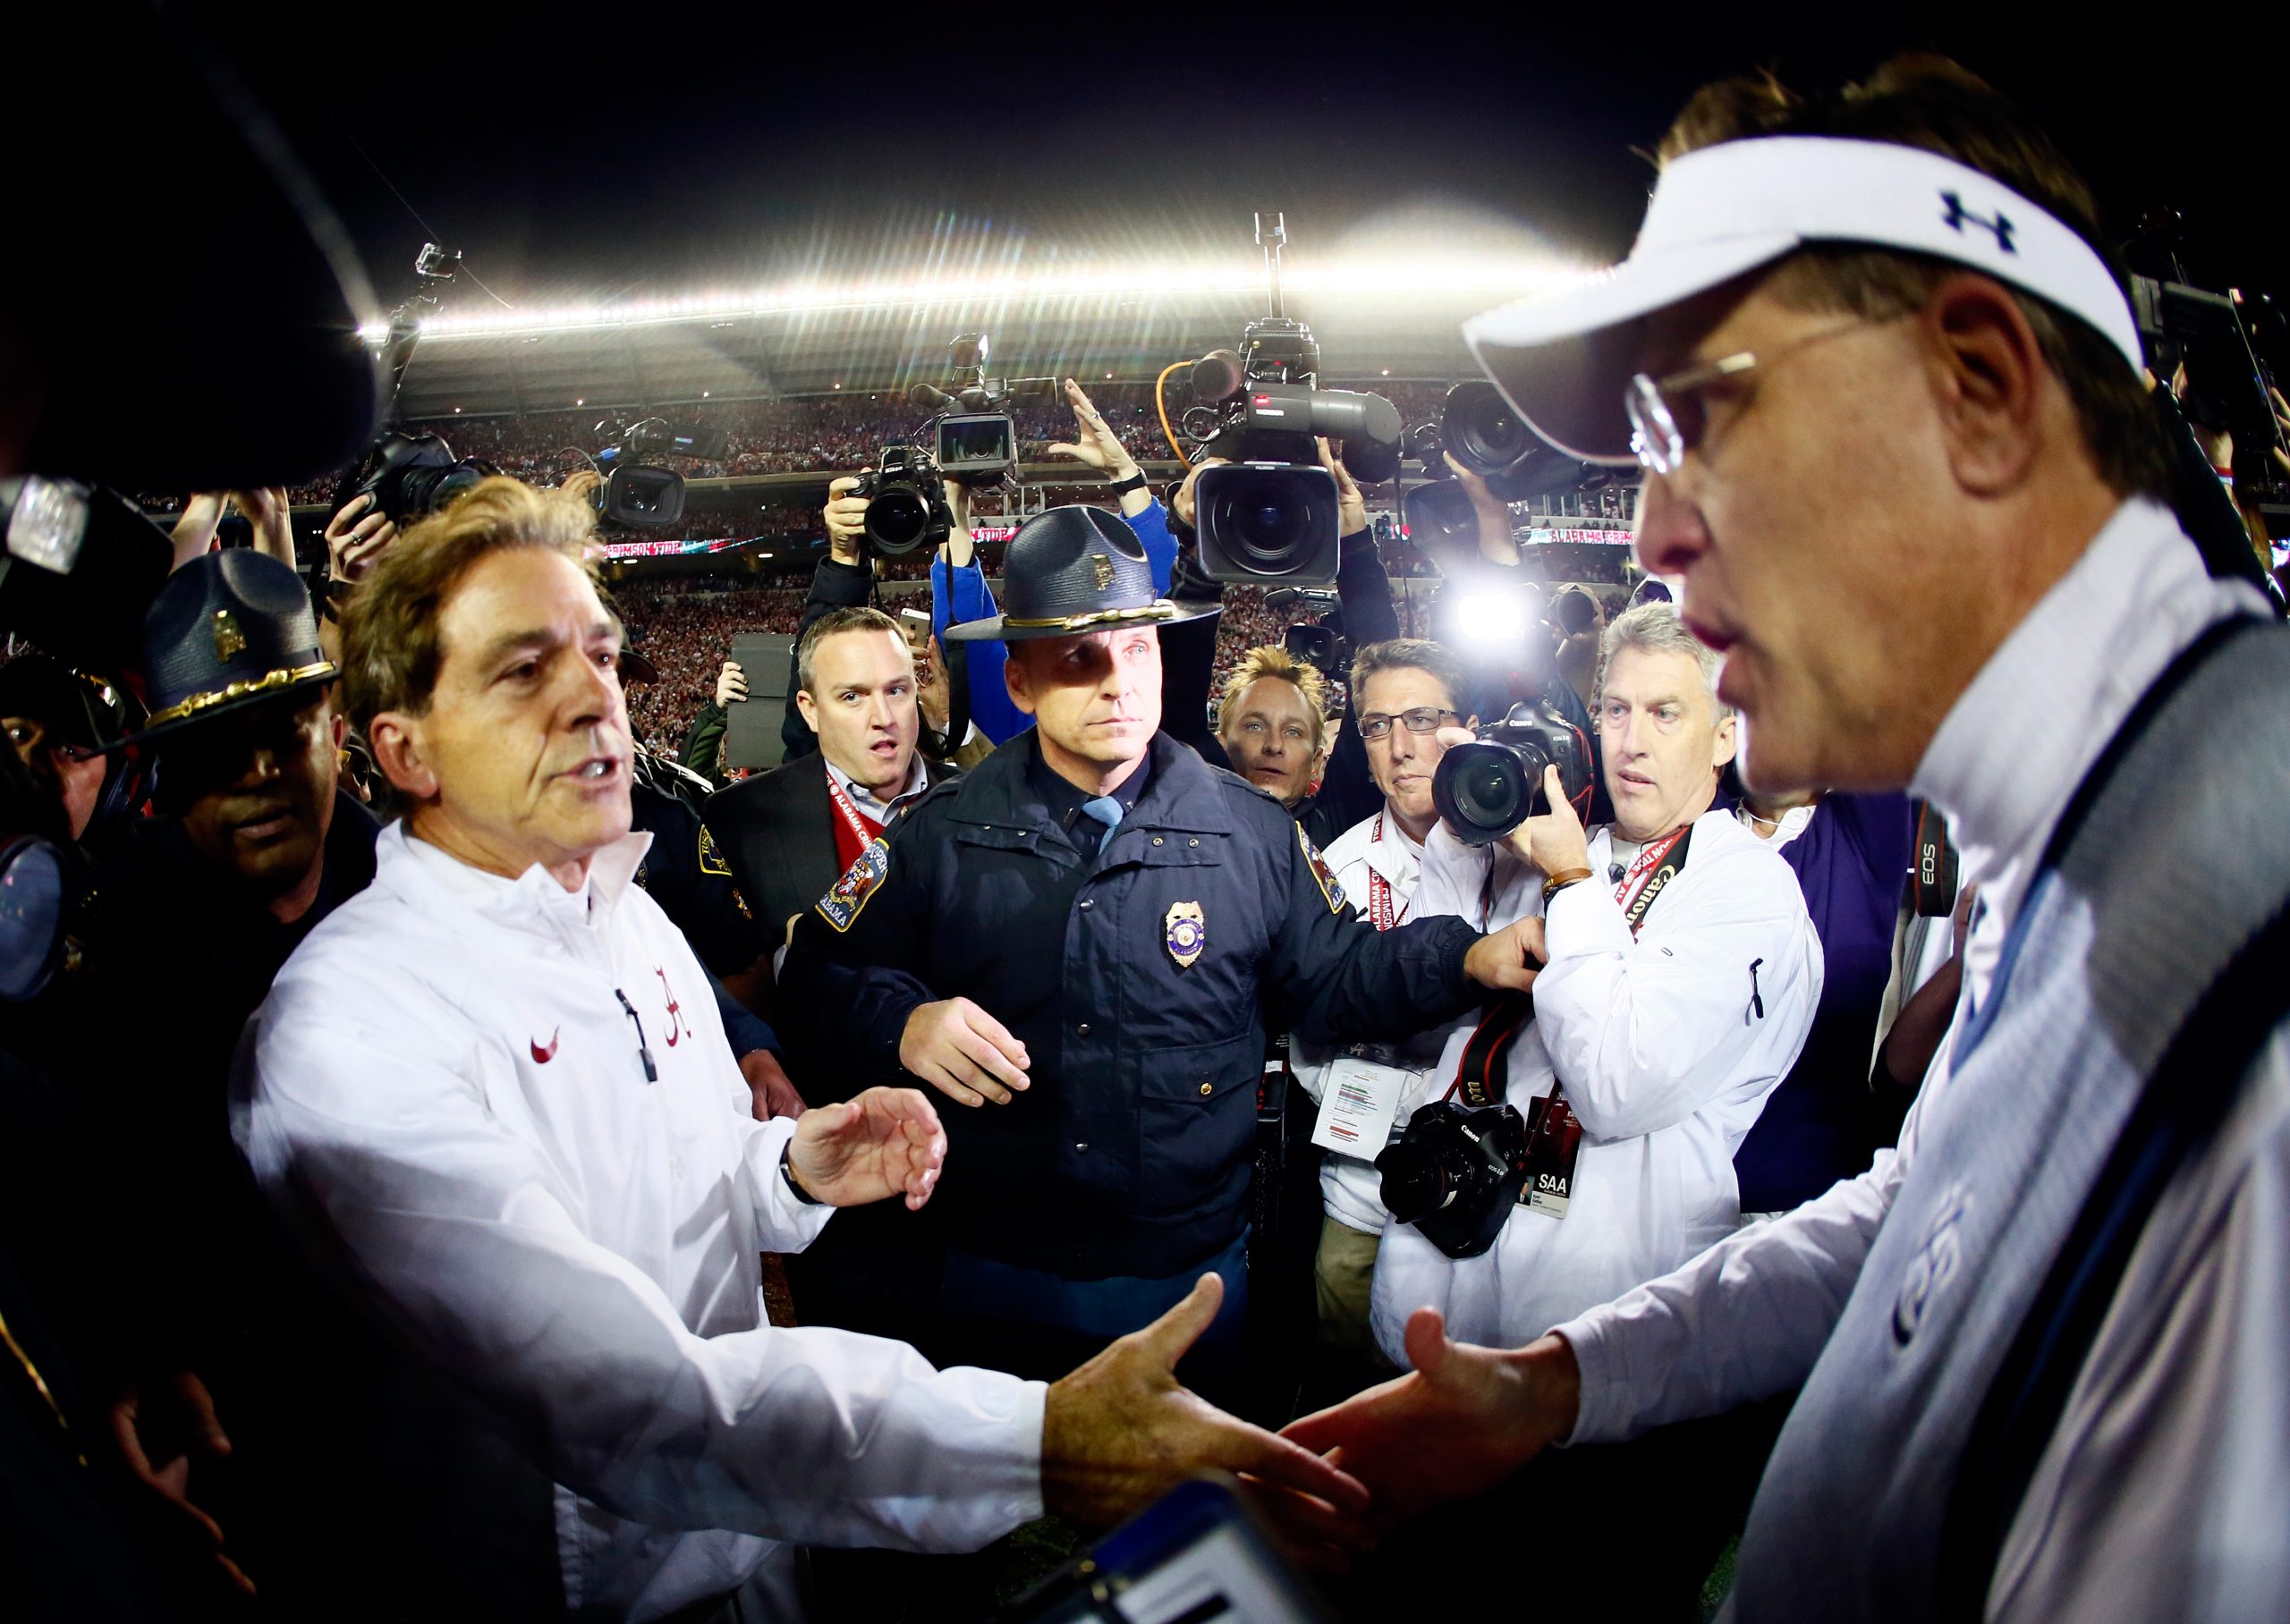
[(1141, 980)]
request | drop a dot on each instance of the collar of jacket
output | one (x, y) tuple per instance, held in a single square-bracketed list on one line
[(1182, 793), (422, 872)]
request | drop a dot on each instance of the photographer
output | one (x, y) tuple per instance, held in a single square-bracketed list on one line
[(1680, 978), (2038, 1350), (1407, 690)]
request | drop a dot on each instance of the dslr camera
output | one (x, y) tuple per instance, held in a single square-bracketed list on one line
[(412, 476), (1455, 1173), (906, 501), (1477, 428), (1488, 788), (974, 438)]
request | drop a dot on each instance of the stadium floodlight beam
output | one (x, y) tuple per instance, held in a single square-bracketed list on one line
[(1433, 275)]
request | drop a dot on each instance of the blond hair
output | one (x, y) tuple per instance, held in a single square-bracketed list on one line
[(1271, 660), (390, 645)]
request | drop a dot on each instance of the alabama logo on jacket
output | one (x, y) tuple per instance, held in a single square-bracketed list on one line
[(841, 905)]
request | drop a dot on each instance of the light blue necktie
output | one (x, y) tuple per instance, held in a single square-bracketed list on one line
[(1108, 811)]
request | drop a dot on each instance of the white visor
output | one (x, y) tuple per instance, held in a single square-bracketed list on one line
[(1564, 360)]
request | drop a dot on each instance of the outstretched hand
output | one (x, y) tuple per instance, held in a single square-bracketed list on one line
[(1458, 1424), (882, 1143), (1122, 1431), (1094, 441)]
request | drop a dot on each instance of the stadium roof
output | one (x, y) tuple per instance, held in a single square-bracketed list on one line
[(1371, 318)]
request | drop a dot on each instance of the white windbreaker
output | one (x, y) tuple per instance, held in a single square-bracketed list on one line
[(1666, 1060), (445, 1081)]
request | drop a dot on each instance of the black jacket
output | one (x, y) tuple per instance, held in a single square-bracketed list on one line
[(1130, 1153), (777, 832)]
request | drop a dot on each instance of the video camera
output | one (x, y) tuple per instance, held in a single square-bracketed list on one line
[(637, 489), (974, 439), (1488, 788), (2231, 347), (1478, 429), (1272, 514)]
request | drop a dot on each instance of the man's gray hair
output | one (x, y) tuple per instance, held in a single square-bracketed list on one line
[(1655, 627)]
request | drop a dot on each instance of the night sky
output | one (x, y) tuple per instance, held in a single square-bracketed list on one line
[(578, 155)]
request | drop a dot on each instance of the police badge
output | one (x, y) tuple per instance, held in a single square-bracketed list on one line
[(1187, 929)]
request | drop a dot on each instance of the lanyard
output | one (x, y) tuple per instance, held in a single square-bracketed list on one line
[(1645, 880), (1379, 892), (865, 827)]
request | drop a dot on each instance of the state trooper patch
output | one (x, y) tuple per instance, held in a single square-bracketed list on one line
[(711, 861), (1321, 872), (1185, 932), (841, 906)]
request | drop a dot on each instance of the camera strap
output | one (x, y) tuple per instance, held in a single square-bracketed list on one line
[(1649, 875), (1479, 1076)]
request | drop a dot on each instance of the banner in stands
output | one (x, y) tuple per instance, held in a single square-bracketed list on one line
[(669, 549), (1613, 538)]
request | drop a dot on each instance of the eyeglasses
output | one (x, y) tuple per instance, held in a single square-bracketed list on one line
[(1422, 720), (1667, 416)]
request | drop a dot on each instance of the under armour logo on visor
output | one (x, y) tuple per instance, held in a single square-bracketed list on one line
[(1957, 215)]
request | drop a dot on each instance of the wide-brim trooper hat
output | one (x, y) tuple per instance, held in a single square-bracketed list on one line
[(229, 631), (1073, 569), (1564, 362)]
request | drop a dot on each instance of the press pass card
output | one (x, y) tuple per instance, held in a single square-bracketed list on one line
[(1357, 1112), (1554, 1139)]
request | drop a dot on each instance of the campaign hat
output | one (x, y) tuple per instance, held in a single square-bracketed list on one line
[(1073, 569)]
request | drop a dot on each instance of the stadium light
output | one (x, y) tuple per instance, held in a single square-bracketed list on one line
[(1420, 274)]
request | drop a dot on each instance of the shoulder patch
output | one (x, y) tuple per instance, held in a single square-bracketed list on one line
[(711, 861), (1321, 872), (848, 895)]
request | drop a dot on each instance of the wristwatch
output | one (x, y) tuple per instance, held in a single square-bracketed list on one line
[(788, 1173), (1136, 482), (1560, 881)]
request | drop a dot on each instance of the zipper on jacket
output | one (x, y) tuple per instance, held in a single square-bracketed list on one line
[(643, 1050)]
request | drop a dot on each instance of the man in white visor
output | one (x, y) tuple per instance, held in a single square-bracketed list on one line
[(1901, 462)]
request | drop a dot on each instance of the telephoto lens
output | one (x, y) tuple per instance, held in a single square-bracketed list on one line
[(1480, 430), (1268, 521), (906, 503), (1486, 788)]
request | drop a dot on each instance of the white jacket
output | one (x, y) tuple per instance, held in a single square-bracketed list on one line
[(444, 1082), (1666, 1059), (1350, 1186)]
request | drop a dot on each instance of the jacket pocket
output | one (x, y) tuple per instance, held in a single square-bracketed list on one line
[(1197, 1123)]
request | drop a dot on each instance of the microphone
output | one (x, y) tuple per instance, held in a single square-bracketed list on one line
[(1217, 374), (1614, 871), (929, 395)]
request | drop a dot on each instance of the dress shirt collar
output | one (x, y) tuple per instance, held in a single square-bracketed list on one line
[(2011, 750), (610, 873), (918, 779)]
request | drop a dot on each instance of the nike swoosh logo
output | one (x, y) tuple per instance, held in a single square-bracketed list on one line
[(542, 1055)]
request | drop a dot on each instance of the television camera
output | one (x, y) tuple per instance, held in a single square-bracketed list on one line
[(1269, 511), (1479, 429), (973, 439)]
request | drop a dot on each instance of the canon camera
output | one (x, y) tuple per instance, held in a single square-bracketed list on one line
[(1488, 788), (1455, 1173)]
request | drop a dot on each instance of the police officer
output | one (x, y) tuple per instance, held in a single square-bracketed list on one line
[(1084, 942)]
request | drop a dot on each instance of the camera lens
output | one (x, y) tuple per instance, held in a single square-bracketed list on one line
[(1416, 1181), (1267, 520), (1480, 427), (898, 520), (1485, 790)]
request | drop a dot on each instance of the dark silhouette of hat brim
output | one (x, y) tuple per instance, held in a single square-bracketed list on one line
[(1002, 628)]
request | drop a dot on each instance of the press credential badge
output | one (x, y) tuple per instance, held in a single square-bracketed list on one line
[(1357, 1112)]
